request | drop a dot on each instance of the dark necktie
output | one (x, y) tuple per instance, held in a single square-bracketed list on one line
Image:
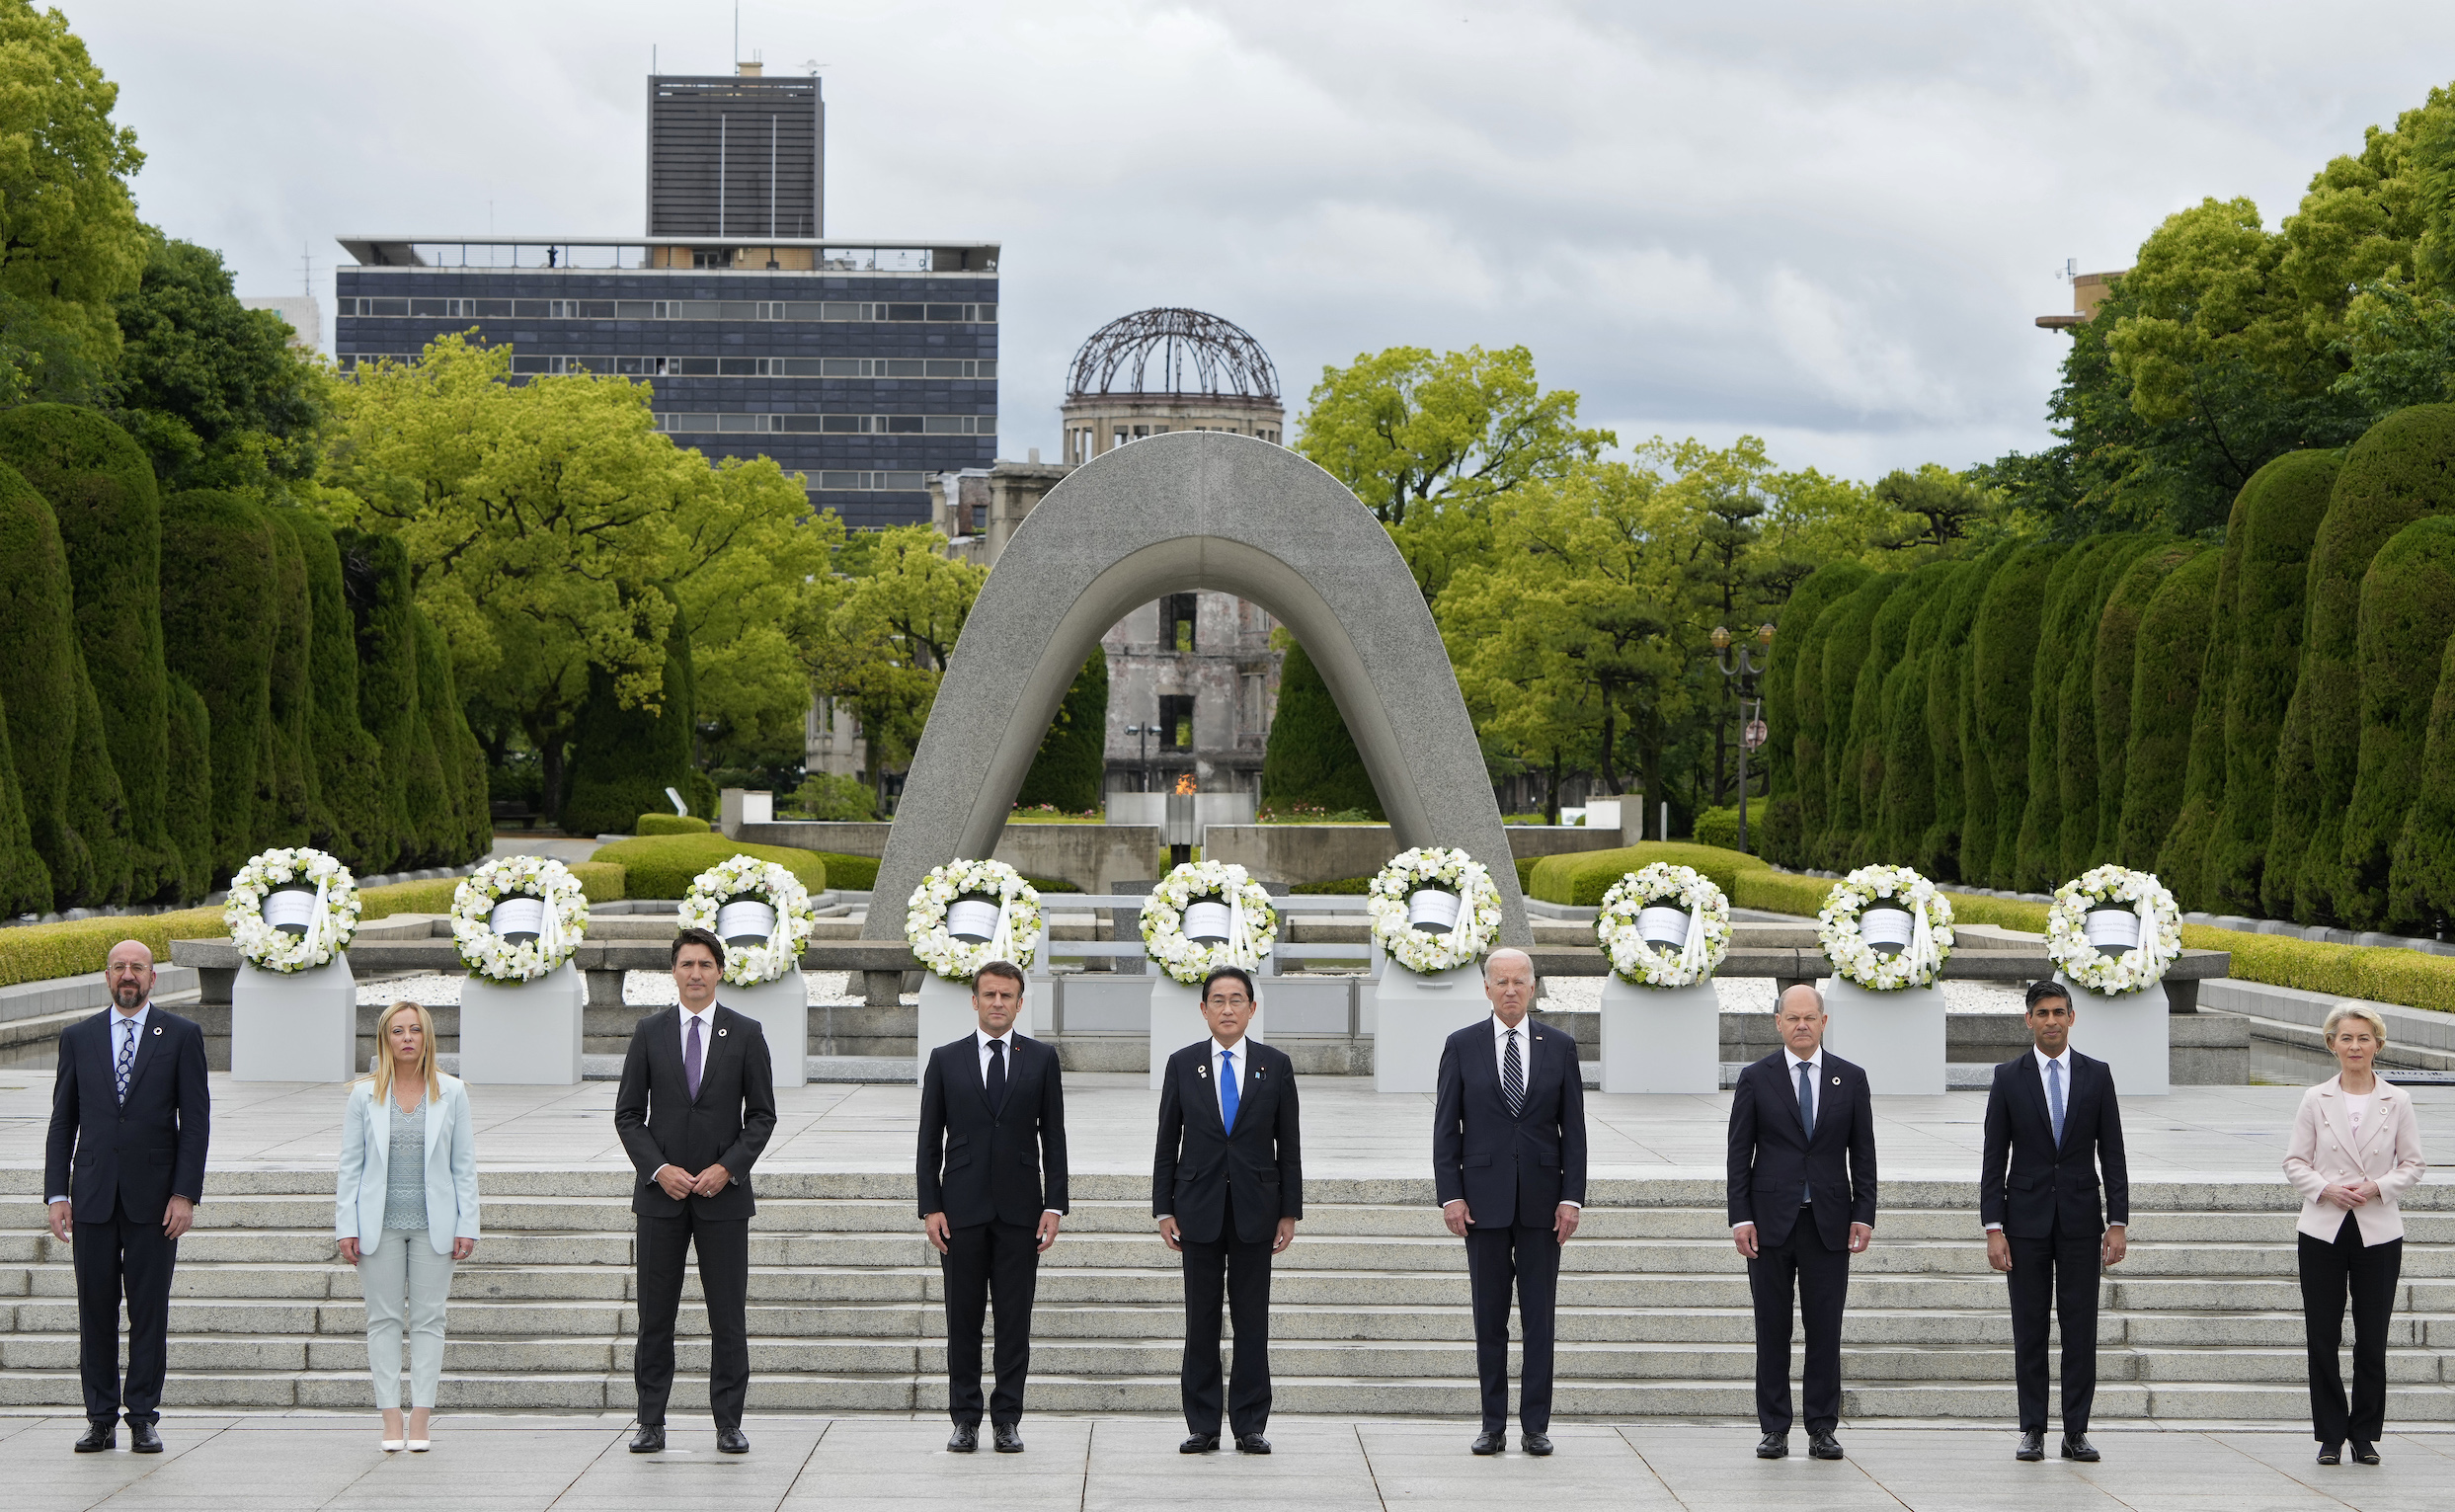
[(1806, 1118), (127, 1056), (691, 1059), (1513, 1077), (996, 1087)]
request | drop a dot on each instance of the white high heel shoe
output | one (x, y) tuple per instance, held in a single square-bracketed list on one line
[(394, 1446), (420, 1446)]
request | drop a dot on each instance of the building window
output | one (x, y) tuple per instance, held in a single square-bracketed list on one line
[(1175, 722), (673, 309), (1177, 612)]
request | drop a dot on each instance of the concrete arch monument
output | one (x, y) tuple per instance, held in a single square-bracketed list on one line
[(1194, 510)]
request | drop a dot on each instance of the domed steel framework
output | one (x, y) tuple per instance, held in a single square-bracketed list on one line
[(1192, 353)]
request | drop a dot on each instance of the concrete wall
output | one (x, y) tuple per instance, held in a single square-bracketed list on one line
[(1327, 852)]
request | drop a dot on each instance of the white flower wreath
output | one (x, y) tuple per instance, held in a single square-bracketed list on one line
[(2136, 969), (1661, 885), (1015, 939), (1855, 960), (330, 922), (1252, 923), (491, 956), (745, 880), (1451, 870)]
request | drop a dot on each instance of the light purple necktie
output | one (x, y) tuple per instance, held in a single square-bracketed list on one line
[(691, 1059)]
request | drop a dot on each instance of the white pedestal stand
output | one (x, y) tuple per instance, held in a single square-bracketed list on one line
[(2134, 1034), (783, 1008), (1661, 1039), (294, 1026), (523, 1034), (948, 1014), (1414, 1017), (1895, 1037), (1176, 1021)]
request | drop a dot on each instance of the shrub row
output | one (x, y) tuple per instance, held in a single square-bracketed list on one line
[(1581, 878)]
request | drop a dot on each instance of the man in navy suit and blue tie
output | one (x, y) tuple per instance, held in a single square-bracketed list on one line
[(1803, 1202), (124, 1169), (2052, 1122), (1509, 1166)]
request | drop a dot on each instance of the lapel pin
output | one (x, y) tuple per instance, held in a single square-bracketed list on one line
[(157, 1029), (1837, 1080), (720, 1034), (1203, 1070)]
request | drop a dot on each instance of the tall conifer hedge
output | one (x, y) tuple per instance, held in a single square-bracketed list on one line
[(1790, 750), (349, 766), (1848, 644), (96, 808), (288, 812), (2069, 619), (2408, 611), (623, 759), (1903, 804), (1310, 757), (219, 582), (38, 680), (374, 571), (1947, 715), (1071, 764), (189, 795), (468, 830), (2422, 881), (2183, 859), (2168, 660), (2003, 661), (2078, 777), (25, 883), (2117, 659)]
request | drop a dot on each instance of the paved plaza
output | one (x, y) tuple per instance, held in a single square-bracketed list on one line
[(286, 1464)]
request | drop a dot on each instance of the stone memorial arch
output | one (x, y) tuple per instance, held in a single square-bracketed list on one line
[(1194, 510)]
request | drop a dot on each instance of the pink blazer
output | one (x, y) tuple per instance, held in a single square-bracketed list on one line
[(2325, 1153)]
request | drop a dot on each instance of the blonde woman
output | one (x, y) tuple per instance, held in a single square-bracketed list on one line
[(406, 1211), (2355, 1149)]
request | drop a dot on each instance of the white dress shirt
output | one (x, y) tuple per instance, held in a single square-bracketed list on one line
[(2064, 1074), (1525, 1060), (118, 1036), (706, 1020), (981, 1039)]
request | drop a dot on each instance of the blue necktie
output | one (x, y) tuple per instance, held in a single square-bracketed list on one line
[(2054, 1099), (1806, 1118), (1227, 1096)]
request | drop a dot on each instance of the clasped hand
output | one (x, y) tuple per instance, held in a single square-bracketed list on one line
[(679, 1185), (2351, 1194)]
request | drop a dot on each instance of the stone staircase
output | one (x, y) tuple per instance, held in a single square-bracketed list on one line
[(1371, 1311)]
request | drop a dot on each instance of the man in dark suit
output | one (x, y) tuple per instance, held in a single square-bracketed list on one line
[(2052, 1122), (992, 1112), (123, 1170), (1509, 1168), (1803, 1202), (1228, 1186), (696, 1106)]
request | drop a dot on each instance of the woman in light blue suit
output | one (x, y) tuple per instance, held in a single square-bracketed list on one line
[(406, 1210)]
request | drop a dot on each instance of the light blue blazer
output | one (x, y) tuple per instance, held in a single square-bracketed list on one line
[(451, 1167)]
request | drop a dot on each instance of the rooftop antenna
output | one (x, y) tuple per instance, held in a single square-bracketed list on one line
[(2070, 269), (306, 271)]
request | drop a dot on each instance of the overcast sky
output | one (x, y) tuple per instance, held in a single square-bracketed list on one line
[(1829, 225)]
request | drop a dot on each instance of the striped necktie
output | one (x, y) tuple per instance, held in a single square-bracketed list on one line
[(1513, 1077)]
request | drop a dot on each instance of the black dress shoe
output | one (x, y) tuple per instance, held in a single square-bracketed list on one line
[(1489, 1442), (1199, 1444), (142, 1438), (2076, 1446), (1773, 1446), (2331, 1454), (1009, 1437), (1537, 1444), (650, 1440), (2364, 1454), (732, 1441), (2033, 1447), (1252, 1444), (965, 1439), (1823, 1446), (100, 1438)]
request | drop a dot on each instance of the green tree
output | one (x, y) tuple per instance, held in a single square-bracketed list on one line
[(2407, 611), (1873, 707), (2116, 665), (25, 882), (1947, 716), (2170, 648), (2071, 607), (349, 812), (1070, 768), (219, 576), (39, 681), (889, 637), (69, 239), (2003, 661), (1848, 632), (1311, 759), (1793, 751), (190, 795), (626, 757)]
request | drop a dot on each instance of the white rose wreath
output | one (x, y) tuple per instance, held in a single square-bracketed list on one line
[(2145, 943), (1392, 902), (932, 916), (1921, 957), (314, 909), (1618, 927), (745, 896), (558, 913), (1250, 926)]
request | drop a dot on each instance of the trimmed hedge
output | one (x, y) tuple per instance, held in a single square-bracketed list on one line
[(671, 823), (1357, 887), (1849, 645), (2408, 609), (348, 764), (2003, 661), (102, 492), (2422, 881), (2402, 469), (96, 808), (2080, 791), (1310, 757), (1581, 878), (1948, 713), (25, 883), (1070, 767), (1905, 809), (189, 797), (2071, 596), (856, 874), (2165, 691), (286, 804), (2183, 855), (1784, 836), (1811, 746), (1869, 761), (663, 865), (2274, 524), (468, 830), (2117, 661), (38, 679), (623, 759), (375, 574), (218, 580), (1719, 828)]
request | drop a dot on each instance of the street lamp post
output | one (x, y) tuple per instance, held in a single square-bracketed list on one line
[(1744, 669), (1142, 752)]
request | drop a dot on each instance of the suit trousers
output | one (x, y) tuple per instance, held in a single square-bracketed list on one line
[(2060, 1271), (1817, 1275), (1497, 1257), (1245, 1270), (112, 1260), (2370, 1271), (405, 1282), (985, 1261), (724, 1246)]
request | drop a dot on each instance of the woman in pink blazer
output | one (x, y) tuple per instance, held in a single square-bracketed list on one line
[(2355, 1149)]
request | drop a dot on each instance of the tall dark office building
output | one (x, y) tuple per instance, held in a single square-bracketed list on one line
[(864, 364)]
